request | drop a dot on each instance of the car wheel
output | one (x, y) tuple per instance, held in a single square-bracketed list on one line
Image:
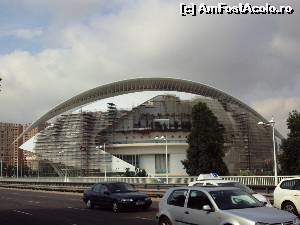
[(290, 207), (115, 207), (164, 221), (89, 204)]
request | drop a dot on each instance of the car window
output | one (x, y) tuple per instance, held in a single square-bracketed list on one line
[(234, 199), (177, 197), (103, 189), (297, 185), (238, 185), (197, 199), (97, 188), (120, 188), (288, 184)]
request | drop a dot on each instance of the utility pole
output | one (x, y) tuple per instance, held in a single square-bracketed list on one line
[(1, 167)]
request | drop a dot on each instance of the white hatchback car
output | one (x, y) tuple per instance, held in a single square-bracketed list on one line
[(287, 195), (214, 180), (217, 206)]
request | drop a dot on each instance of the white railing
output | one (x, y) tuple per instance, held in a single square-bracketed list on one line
[(248, 180)]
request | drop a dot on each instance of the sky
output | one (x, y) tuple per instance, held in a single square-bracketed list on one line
[(51, 50)]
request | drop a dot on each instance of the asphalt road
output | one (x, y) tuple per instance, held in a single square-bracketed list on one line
[(20, 207)]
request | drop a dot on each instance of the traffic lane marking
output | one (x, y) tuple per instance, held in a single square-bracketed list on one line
[(22, 212), (144, 218), (70, 207), (42, 200), (34, 202)]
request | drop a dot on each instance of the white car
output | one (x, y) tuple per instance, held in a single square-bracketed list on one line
[(287, 195), (213, 205), (214, 180)]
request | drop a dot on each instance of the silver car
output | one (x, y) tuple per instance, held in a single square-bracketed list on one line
[(218, 206)]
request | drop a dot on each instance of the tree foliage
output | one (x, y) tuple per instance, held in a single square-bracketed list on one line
[(206, 141), (290, 158), (136, 173)]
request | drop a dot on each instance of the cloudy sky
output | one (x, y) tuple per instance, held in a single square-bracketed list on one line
[(51, 50)]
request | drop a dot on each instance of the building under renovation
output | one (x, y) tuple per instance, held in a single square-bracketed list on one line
[(91, 143)]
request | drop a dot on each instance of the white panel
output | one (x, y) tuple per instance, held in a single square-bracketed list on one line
[(29, 145), (147, 162), (119, 165), (176, 167)]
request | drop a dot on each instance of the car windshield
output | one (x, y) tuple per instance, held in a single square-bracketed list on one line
[(238, 185), (234, 199), (121, 188)]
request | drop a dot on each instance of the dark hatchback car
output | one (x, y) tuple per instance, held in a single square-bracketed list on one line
[(116, 196)]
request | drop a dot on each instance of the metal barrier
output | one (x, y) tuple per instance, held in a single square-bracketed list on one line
[(247, 180)]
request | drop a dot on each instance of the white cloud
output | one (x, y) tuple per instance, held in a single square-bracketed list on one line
[(249, 57), (22, 33), (279, 108)]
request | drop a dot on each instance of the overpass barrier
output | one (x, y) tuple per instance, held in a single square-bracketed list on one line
[(247, 180)]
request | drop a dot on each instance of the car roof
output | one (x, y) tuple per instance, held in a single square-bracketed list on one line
[(290, 178), (111, 182), (205, 188), (213, 188), (216, 181), (213, 181)]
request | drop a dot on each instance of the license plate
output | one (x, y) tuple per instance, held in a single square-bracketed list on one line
[(140, 203)]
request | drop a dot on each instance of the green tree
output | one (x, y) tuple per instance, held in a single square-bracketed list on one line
[(290, 158), (136, 173), (206, 141)]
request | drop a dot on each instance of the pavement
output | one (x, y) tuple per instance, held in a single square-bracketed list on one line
[(25, 207)]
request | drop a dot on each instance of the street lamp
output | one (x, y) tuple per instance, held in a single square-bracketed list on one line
[(102, 147), (38, 166), (17, 163), (61, 157), (1, 167), (272, 124), (166, 141)]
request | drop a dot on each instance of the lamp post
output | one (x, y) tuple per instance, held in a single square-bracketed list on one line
[(272, 124), (166, 141), (61, 157), (1, 167), (38, 166), (102, 147)]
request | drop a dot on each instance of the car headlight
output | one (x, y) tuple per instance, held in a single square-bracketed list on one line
[(147, 199), (126, 200), (260, 223), (296, 221)]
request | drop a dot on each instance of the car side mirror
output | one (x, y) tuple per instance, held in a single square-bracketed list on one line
[(106, 192), (207, 208)]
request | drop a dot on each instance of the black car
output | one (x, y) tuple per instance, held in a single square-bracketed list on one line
[(116, 196)]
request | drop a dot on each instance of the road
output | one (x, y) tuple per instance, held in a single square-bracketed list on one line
[(21, 207)]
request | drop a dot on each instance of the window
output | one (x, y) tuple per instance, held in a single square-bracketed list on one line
[(160, 163), (297, 185), (289, 184), (197, 200), (177, 198), (97, 188), (103, 189)]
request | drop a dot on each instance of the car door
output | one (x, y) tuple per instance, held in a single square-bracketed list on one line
[(105, 197), (194, 213), (95, 194), (296, 194), (286, 192), (175, 204)]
